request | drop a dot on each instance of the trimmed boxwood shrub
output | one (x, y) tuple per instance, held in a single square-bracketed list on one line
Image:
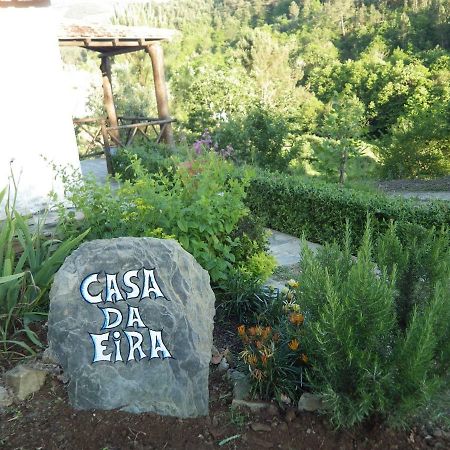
[(319, 211)]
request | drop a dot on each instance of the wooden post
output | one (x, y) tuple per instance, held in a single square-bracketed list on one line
[(108, 101), (156, 54), (109, 164)]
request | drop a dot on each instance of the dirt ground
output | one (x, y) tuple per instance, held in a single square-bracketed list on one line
[(47, 421)]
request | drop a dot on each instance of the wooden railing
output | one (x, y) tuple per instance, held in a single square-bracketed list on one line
[(89, 136), (138, 126), (95, 136)]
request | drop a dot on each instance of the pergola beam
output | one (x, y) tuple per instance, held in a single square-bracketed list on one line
[(94, 44), (120, 51)]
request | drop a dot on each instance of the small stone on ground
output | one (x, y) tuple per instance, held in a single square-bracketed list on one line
[(309, 402), (24, 380), (5, 397), (260, 427)]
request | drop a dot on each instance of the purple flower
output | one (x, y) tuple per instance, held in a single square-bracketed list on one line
[(198, 147)]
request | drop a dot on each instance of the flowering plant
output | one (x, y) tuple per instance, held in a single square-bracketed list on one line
[(274, 354), (206, 144)]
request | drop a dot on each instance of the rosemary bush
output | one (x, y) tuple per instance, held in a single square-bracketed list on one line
[(377, 325)]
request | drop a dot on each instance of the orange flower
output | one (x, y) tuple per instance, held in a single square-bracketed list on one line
[(259, 345), (266, 332), (257, 374), (304, 358), (264, 359), (296, 318), (241, 330), (252, 331), (293, 345)]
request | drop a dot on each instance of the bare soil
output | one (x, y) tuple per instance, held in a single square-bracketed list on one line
[(47, 421)]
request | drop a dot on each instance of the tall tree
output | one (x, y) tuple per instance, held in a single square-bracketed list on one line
[(344, 122)]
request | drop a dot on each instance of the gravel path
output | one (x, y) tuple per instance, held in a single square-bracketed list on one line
[(424, 196)]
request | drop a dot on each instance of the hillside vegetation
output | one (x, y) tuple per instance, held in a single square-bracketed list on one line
[(335, 88)]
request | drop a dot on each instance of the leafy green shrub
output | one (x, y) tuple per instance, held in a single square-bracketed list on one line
[(154, 158), (258, 138), (420, 259), (28, 262), (259, 265), (199, 204), (319, 211), (419, 145), (368, 355), (253, 238), (249, 236), (241, 296)]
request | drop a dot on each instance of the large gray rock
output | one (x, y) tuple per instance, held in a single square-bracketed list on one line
[(171, 308)]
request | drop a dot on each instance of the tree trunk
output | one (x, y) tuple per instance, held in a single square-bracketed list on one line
[(343, 166)]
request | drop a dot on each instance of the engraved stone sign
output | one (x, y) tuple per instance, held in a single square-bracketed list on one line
[(131, 324)]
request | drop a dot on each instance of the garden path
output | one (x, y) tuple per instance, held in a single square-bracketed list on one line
[(432, 195), (286, 250), (96, 167)]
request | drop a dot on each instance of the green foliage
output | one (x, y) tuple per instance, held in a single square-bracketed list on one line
[(291, 58), (253, 261), (343, 123), (420, 142), (273, 351), (420, 259), (241, 296), (238, 418), (211, 95), (259, 265), (28, 262), (258, 138), (251, 235), (155, 158), (199, 203), (320, 211), (367, 357)]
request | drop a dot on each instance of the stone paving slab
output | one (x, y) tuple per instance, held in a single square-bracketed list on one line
[(286, 248), (95, 167)]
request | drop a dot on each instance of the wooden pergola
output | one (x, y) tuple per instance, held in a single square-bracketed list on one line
[(113, 40)]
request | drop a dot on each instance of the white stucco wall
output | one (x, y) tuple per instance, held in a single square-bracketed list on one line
[(35, 116)]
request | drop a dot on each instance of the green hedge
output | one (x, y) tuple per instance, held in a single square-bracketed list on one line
[(319, 211)]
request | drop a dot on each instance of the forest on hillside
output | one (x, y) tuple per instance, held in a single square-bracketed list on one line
[(307, 86)]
